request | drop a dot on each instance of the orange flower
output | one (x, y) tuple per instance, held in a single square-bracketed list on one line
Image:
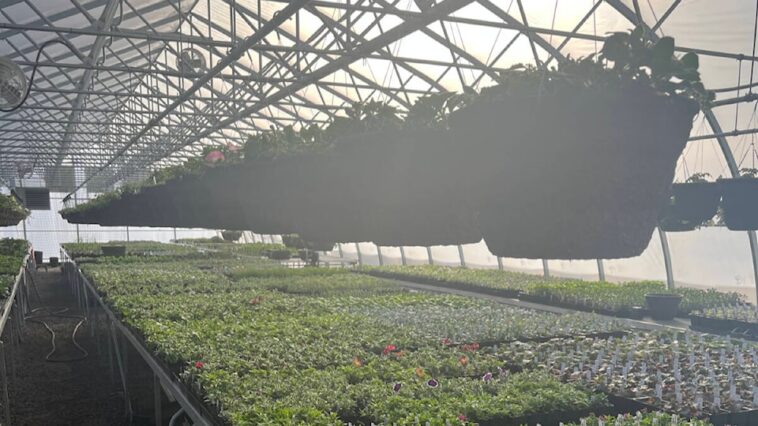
[(357, 362), (420, 372), (463, 360)]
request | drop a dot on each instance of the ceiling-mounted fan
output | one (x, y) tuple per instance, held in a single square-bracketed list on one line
[(191, 61), (13, 84)]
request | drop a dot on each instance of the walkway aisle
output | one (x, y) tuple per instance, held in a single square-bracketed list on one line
[(61, 393)]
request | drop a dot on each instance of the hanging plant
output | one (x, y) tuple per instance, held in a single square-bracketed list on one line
[(11, 212), (576, 161), (691, 204), (739, 202)]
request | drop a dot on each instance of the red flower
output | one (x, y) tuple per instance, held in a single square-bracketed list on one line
[(446, 342), (470, 347), (388, 349), (462, 417), (199, 364)]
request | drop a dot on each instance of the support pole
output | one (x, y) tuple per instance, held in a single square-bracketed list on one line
[(545, 269), (402, 256), (500, 263), (429, 255), (360, 257), (666, 259), (600, 270), (4, 372), (379, 254), (157, 400), (461, 256)]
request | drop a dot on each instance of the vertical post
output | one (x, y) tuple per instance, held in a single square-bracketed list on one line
[(500, 263), (402, 256), (127, 233), (600, 270), (429, 255), (4, 372), (360, 258), (175, 238), (157, 400), (379, 254), (339, 249), (460, 255), (76, 202), (666, 259), (545, 269)]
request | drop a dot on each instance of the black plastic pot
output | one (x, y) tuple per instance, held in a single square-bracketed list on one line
[(690, 205), (739, 203), (278, 254), (231, 235), (38, 258), (576, 174), (663, 306), (53, 261), (113, 250)]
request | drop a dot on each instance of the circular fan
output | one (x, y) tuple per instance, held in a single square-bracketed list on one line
[(13, 84), (190, 61)]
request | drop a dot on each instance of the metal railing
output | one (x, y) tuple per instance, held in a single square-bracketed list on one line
[(92, 304), (14, 309)]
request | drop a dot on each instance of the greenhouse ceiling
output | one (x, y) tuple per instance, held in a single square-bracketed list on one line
[(123, 87)]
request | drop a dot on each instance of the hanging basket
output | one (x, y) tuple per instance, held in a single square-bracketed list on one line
[(392, 187), (576, 174), (690, 205), (739, 203)]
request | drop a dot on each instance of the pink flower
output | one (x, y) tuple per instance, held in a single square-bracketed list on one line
[(214, 157), (462, 417), (199, 364)]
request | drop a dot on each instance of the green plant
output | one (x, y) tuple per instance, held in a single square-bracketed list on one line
[(698, 177), (11, 212)]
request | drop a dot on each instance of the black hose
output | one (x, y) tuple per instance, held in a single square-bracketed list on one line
[(51, 312)]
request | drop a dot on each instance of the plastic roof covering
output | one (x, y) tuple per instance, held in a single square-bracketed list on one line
[(86, 105)]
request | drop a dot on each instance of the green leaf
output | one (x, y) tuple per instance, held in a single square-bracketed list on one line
[(616, 47)]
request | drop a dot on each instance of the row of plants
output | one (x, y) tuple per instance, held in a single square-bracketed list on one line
[(329, 347), (684, 373), (598, 136), (695, 203), (625, 300), (739, 320), (655, 418), (11, 211), (12, 252)]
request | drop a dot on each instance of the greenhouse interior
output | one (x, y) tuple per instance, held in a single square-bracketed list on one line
[(316, 212)]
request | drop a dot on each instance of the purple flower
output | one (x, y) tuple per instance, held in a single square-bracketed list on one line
[(432, 383), (397, 387), (487, 377)]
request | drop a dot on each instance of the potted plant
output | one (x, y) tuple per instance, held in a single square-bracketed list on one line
[(575, 161), (739, 202), (663, 306), (691, 204)]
